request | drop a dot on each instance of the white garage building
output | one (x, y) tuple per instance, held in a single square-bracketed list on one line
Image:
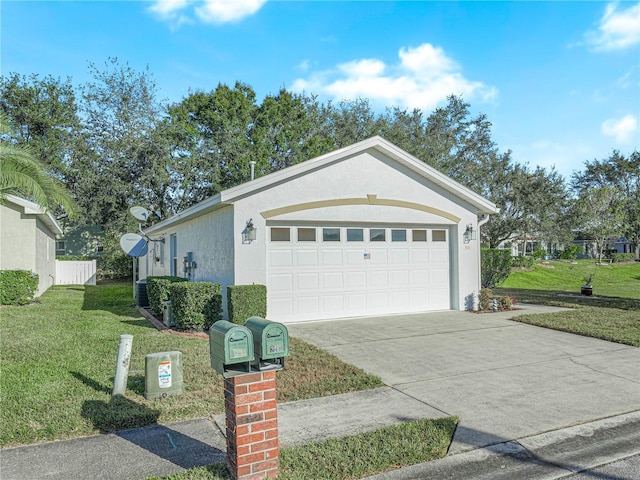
[(364, 230)]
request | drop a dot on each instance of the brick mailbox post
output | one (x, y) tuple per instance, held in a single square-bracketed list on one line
[(252, 425), (248, 357)]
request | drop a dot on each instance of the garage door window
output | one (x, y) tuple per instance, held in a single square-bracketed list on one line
[(419, 235), (330, 234), (355, 235), (279, 234), (398, 235), (377, 235), (306, 234), (439, 235)]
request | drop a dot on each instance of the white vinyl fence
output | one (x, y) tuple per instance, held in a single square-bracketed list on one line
[(70, 272)]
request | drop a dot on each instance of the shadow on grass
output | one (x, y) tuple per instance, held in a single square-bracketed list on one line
[(567, 299), (116, 299), (138, 424)]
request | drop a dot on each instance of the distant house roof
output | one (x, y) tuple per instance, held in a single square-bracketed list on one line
[(30, 208), (377, 143)]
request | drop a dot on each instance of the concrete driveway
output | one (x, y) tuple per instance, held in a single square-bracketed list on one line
[(505, 380)]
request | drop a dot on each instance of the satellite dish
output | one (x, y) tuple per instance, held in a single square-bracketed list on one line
[(134, 245), (140, 213)]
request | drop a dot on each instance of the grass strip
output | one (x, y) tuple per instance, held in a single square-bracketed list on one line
[(621, 280), (59, 355), (355, 456)]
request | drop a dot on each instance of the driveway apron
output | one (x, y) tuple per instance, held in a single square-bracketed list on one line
[(505, 380)]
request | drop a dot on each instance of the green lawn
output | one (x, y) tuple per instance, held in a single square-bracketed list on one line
[(612, 313), (352, 457), (59, 355), (613, 280)]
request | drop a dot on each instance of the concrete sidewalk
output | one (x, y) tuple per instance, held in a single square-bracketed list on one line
[(533, 403), (165, 449)]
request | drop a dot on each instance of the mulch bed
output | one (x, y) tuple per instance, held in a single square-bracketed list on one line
[(148, 314)]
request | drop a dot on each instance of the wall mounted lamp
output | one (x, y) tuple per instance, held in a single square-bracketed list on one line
[(249, 232), (469, 234)]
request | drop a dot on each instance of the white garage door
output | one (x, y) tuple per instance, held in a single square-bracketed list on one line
[(332, 272)]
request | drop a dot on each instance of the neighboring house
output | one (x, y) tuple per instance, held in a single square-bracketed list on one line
[(28, 240), (365, 230), (80, 240), (589, 247)]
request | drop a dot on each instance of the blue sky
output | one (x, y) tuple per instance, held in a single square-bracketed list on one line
[(559, 81)]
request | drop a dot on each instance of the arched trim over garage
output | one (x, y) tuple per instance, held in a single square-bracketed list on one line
[(369, 200)]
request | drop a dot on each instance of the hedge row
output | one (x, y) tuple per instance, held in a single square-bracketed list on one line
[(622, 257), (245, 301), (17, 287), (198, 305), (158, 291), (195, 305)]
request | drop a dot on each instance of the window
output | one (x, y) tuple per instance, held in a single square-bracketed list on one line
[(330, 234), (280, 234), (377, 235), (439, 235), (306, 234), (61, 247), (100, 249), (398, 235), (355, 235), (419, 235)]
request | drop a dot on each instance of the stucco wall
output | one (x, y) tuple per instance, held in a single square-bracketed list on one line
[(362, 175), (17, 237), (45, 258), (26, 243), (210, 238)]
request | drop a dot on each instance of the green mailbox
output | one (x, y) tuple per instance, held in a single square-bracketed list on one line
[(231, 348), (270, 343)]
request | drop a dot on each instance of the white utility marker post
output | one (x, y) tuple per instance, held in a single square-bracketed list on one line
[(122, 366)]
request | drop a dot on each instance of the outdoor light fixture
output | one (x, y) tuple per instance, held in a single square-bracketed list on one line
[(469, 234), (249, 232)]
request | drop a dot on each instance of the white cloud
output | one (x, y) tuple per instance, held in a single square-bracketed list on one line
[(617, 30), (422, 78), (227, 11), (208, 11), (624, 129)]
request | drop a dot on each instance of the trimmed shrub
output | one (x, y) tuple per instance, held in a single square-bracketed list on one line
[(244, 301), (17, 287), (570, 252), (622, 257), (538, 253), (195, 305), (526, 262), (506, 302), (158, 291), (496, 266), (484, 299)]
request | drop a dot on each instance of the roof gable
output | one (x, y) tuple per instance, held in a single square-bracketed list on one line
[(30, 208), (377, 143)]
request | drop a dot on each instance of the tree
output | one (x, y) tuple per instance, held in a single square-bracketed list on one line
[(600, 214), (286, 131), (43, 113), (121, 159), (623, 174), (24, 175), (215, 139)]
